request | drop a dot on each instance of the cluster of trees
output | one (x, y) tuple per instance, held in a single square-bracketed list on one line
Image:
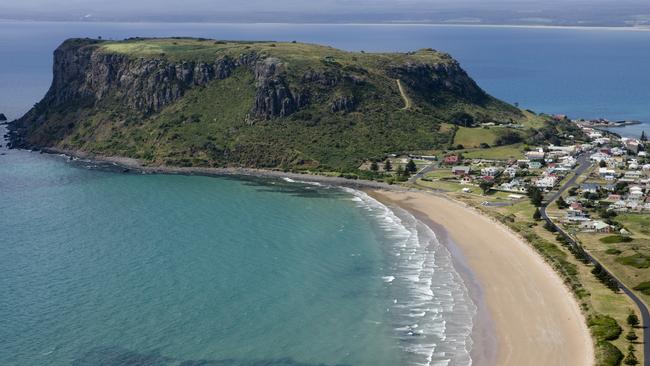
[(632, 321), (575, 249), (402, 172), (508, 138), (603, 276)]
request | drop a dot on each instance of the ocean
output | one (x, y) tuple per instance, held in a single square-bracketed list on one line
[(101, 267), (104, 268)]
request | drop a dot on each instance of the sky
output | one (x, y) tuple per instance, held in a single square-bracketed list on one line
[(557, 12)]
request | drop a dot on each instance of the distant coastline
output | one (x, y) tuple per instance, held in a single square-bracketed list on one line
[(394, 23)]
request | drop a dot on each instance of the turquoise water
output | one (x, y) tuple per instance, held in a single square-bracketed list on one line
[(104, 268)]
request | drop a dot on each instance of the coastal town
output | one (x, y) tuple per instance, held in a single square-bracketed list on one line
[(584, 204), (616, 181)]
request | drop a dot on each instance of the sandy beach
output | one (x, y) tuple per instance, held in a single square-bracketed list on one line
[(536, 320)]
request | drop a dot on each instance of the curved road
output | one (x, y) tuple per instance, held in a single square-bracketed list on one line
[(583, 164), (407, 100)]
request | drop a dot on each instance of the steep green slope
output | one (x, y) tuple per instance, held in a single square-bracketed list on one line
[(196, 102)]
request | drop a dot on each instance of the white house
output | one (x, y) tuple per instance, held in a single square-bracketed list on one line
[(548, 181), (490, 171), (595, 226), (511, 171), (535, 155)]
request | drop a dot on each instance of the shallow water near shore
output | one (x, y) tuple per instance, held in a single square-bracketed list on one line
[(107, 268)]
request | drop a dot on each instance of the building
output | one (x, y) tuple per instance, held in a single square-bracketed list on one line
[(490, 171), (460, 170), (424, 157), (590, 187), (636, 193), (451, 159), (596, 226), (535, 155), (546, 182), (511, 171), (632, 175), (599, 156)]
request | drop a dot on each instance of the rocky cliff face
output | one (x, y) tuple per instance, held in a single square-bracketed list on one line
[(149, 84), (432, 80)]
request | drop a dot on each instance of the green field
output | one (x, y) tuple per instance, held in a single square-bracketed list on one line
[(473, 137), (514, 151)]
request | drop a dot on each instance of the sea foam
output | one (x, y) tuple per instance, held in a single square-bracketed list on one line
[(430, 306)]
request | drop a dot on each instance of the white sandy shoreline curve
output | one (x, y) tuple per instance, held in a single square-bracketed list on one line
[(537, 321), (431, 310)]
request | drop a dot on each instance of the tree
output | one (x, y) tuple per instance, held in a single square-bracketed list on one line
[(388, 166), (643, 136), (561, 203), (485, 186), (535, 195), (462, 119), (548, 226), (410, 166), (537, 215), (632, 320), (374, 167), (602, 164), (508, 138), (631, 336), (399, 171), (630, 359)]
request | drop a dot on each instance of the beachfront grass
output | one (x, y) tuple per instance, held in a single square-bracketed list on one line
[(444, 185)]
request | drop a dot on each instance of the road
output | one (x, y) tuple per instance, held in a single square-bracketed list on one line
[(407, 100), (420, 174), (583, 165)]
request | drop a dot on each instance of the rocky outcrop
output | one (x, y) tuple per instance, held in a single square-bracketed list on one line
[(149, 84), (274, 98), (3, 118), (435, 80), (343, 103)]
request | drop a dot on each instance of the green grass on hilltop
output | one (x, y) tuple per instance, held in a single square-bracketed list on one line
[(297, 55)]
